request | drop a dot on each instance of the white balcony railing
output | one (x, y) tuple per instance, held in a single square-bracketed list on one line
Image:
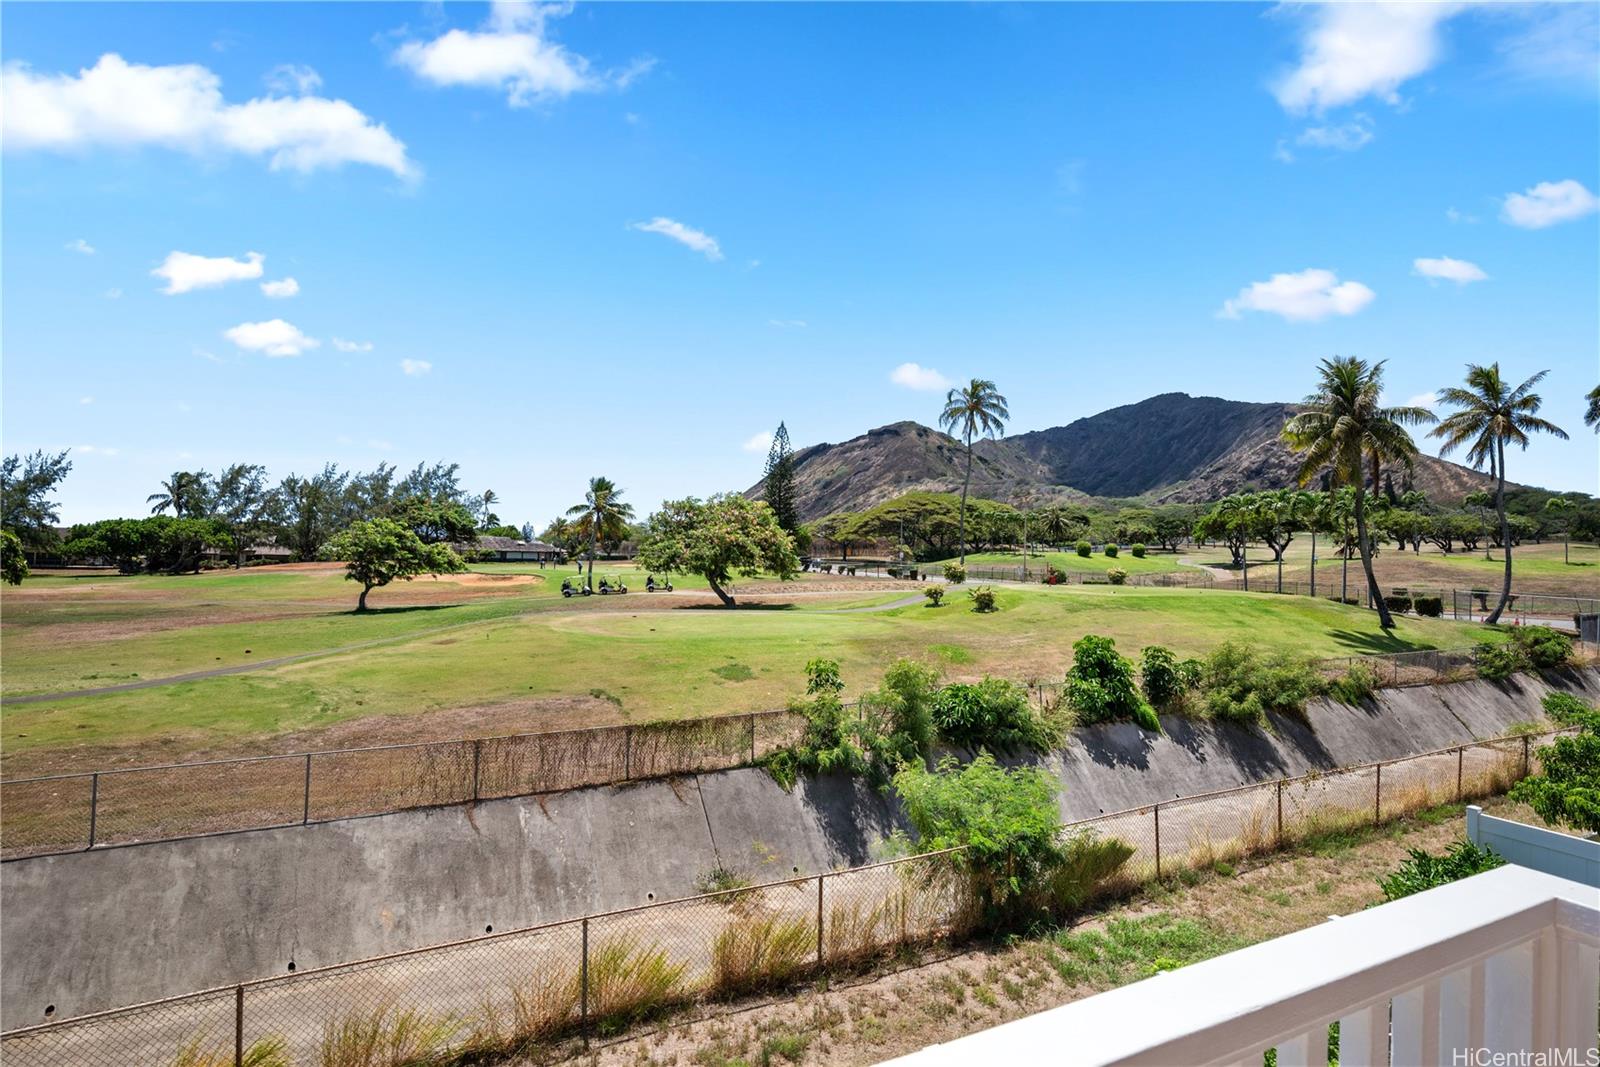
[(1505, 962)]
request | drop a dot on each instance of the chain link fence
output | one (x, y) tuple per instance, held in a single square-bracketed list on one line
[(63, 813), (531, 990)]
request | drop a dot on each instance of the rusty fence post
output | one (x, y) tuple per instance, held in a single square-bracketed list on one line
[(1461, 753), (305, 809), (820, 877), (1280, 812), (94, 806), (583, 984), (238, 1026), (1526, 766), (1377, 798), (627, 752), (752, 738), (1157, 811), (477, 762)]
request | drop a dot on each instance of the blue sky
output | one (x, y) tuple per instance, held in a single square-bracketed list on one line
[(628, 239)]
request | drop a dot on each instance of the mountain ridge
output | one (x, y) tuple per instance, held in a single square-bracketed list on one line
[(1168, 448)]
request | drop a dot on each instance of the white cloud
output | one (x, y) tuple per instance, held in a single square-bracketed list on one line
[(118, 104), (113, 293), (352, 346), (415, 368), (759, 443), (81, 246), (211, 357), (512, 53), (1306, 296), (95, 450), (787, 324), (1559, 43), (1459, 216), (1429, 400), (380, 444), (273, 338), (1344, 137), (86, 400), (687, 236), (281, 290), (1354, 50), (1549, 203), (1450, 270), (293, 79), (185, 271), (913, 376)]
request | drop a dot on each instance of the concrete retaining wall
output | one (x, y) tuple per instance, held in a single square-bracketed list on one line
[(88, 931)]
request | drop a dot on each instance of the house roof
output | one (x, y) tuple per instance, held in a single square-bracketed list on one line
[(509, 544)]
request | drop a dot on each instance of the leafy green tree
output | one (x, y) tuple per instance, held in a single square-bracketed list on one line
[(1101, 687), (778, 482), (717, 538), (1345, 428), (975, 409), (13, 565), (1568, 789), (1490, 414), (602, 517), (436, 520), (381, 551), (241, 500), (25, 505)]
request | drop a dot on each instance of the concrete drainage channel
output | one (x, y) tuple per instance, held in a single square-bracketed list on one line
[(166, 918)]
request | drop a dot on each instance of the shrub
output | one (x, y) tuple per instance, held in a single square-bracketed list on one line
[(935, 595), (1498, 660), (832, 740), (1087, 860), (752, 952), (1429, 606), (630, 980), (1163, 678), (1007, 819), (983, 599), (1084, 548), (955, 573), (1100, 685), (1138, 550), (1110, 550), (1242, 684), (897, 717), (1397, 602), (1054, 575), (1545, 648), (1426, 871), (1567, 789), (993, 713), (1356, 685), (720, 879), (1117, 576)]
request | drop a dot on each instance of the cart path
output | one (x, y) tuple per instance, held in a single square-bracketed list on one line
[(279, 661)]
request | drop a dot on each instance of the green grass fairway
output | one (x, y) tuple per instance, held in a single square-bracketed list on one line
[(647, 660), (1153, 563)]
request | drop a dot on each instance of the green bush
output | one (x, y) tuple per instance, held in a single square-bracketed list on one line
[(832, 740), (1054, 575), (1355, 686), (1499, 660), (1163, 677), (993, 713), (1242, 684), (935, 595), (1100, 685), (1397, 603), (1138, 551), (1084, 548), (1429, 606), (1567, 789), (1110, 550), (955, 573), (1425, 871), (983, 599), (1117, 576), (897, 717), (1087, 860), (1545, 648)]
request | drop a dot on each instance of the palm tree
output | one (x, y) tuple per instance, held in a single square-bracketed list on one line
[(1591, 414), (489, 500), (1490, 414), (1561, 508), (601, 517), (976, 409), (177, 493), (1346, 428)]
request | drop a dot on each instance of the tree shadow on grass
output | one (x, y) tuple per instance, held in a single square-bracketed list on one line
[(757, 606), (400, 610), (1369, 644)]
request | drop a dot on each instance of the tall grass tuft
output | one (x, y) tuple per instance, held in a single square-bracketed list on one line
[(1088, 864), (751, 953), (542, 1006), (629, 980), (267, 1052), (386, 1036)]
